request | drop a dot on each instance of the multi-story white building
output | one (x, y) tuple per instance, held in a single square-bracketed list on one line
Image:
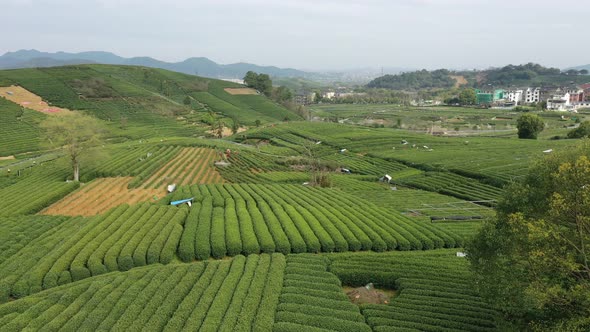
[(514, 96), (559, 102), (532, 95)]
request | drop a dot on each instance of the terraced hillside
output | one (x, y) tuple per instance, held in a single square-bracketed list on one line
[(260, 247), (134, 102)]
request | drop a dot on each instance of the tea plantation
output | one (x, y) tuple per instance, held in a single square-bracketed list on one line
[(259, 247)]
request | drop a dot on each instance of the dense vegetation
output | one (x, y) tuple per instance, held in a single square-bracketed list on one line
[(417, 80), (529, 74), (261, 248)]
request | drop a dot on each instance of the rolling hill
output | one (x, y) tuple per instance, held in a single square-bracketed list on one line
[(529, 74), (133, 101)]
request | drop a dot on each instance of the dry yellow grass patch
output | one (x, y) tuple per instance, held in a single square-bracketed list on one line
[(27, 99), (101, 195), (241, 91), (7, 158)]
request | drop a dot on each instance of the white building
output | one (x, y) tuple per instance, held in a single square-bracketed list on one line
[(532, 95), (514, 96), (328, 95), (559, 102)]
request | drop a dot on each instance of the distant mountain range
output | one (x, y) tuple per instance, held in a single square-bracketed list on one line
[(196, 66), (587, 67)]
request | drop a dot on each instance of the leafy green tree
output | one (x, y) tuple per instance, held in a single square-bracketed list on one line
[(257, 123), (533, 261), (264, 84), (260, 82), (529, 126), (467, 97), (584, 72), (318, 97), (235, 126), (251, 79), (282, 94), (582, 131), (73, 133), (187, 100)]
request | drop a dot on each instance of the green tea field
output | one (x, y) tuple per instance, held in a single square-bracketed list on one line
[(282, 227)]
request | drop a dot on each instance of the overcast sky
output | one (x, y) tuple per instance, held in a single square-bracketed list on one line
[(306, 34)]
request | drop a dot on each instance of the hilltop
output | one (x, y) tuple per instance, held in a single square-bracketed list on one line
[(529, 74)]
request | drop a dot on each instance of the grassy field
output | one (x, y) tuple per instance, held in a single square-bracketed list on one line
[(259, 248)]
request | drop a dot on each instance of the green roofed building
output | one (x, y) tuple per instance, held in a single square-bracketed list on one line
[(488, 97)]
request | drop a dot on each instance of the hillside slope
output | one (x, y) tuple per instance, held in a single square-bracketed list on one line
[(135, 102)]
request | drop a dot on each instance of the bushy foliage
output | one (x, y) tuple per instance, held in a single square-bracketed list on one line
[(422, 79), (529, 126), (532, 261)]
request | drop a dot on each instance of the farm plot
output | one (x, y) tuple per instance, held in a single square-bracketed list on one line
[(139, 161), (122, 238), (101, 195), (454, 185), (190, 166), (27, 99), (16, 232), (20, 132), (435, 290), (37, 188), (234, 295), (241, 91), (226, 220), (459, 216), (312, 299)]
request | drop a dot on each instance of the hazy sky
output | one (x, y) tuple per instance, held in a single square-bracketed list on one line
[(318, 34)]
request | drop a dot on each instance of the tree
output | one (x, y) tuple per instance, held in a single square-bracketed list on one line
[(318, 97), (282, 94), (264, 84), (74, 133), (467, 97), (529, 126), (235, 126), (583, 72), (260, 82), (187, 100), (251, 79), (583, 130), (218, 128), (533, 261)]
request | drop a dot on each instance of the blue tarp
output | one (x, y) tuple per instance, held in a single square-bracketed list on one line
[(182, 201)]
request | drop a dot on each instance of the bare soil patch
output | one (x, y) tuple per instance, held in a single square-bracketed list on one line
[(227, 131), (241, 91), (27, 99), (459, 80), (7, 158), (369, 294)]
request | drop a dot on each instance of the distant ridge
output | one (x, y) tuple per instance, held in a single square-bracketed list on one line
[(587, 67), (196, 66)]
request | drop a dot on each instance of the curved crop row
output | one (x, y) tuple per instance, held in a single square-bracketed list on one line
[(234, 295)]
